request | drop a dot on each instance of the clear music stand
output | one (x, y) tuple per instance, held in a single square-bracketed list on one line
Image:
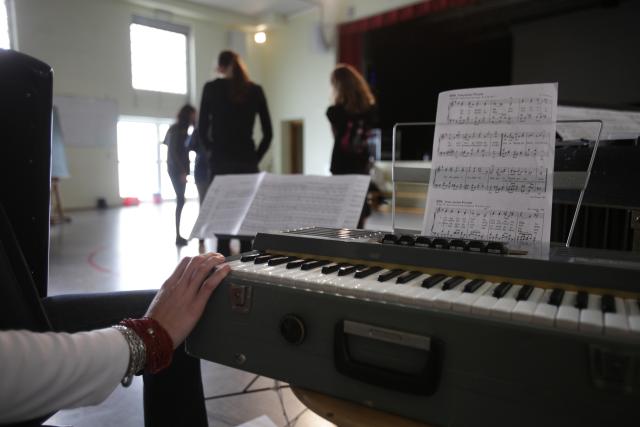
[(562, 180)]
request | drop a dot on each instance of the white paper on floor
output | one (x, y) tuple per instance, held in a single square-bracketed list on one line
[(262, 421)]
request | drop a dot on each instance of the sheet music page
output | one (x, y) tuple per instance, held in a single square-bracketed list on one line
[(286, 202), (226, 204), (492, 167)]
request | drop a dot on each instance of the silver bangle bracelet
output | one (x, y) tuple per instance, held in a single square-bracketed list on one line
[(137, 354)]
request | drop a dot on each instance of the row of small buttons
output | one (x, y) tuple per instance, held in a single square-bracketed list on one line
[(443, 243)]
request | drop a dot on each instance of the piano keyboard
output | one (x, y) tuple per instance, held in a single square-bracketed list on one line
[(511, 302)]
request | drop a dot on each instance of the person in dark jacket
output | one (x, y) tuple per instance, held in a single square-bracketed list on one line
[(178, 160), (352, 116), (228, 110)]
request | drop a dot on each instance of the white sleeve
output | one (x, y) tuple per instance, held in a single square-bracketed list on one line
[(43, 372)]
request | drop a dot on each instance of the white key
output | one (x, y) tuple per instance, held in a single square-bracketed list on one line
[(425, 299), (411, 293), (504, 306), (485, 303), (591, 318), (370, 288), (465, 301), (545, 313), (634, 315), (445, 299), (616, 323), (568, 316), (523, 311)]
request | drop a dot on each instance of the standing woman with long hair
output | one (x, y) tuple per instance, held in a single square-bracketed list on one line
[(227, 115), (352, 116), (178, 160)]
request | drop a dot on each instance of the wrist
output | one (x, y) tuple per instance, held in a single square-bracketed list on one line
[(157, 342), (137, 354)]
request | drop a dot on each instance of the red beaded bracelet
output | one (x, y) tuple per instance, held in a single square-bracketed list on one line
[(158, 343)]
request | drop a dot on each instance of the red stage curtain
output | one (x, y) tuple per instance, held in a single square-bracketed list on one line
[(351, 34)]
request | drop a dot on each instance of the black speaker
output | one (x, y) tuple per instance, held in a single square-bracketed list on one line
[(26, 86)]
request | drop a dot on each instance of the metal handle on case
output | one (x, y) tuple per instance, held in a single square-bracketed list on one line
[(423, 383)]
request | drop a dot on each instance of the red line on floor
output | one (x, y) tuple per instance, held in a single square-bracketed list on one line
[(91, 259)]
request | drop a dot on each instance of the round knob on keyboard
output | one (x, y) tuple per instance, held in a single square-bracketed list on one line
[(292, 329)]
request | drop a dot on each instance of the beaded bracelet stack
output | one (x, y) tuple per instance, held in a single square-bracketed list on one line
[(151, 347)]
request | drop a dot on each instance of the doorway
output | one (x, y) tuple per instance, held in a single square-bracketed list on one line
[(292, 147)]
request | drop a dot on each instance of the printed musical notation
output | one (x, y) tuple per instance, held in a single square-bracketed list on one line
[(493, 156), (506, 110), (494, 144), (488, 224), (491, 179)]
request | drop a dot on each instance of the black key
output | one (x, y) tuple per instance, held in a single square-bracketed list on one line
[(502, 289), (440, 243), (473, 286), (348, 269), (422, 241), (408, 276), (389, 239), (477, 246), (458, 245), (496, 248), (332, 268), (524, 293), (297, 263), (314, 264), (452, 283), (281, 260), (608, 304), (406, 240), (582, 300), (556, 297), (262, 259), (390, 275), (361, 274), (431, 281), (250, 257)]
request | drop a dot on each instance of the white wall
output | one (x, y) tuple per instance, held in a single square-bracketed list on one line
[(87, 44)]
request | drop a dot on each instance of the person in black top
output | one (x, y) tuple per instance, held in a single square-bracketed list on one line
[(352, 116), (178, 160), (227, 115)]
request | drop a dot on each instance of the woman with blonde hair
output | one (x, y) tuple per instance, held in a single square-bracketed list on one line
[(352, 116)]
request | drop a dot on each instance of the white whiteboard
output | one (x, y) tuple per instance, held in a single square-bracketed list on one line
[(87, 122)]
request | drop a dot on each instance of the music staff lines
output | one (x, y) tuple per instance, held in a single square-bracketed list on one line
[(508, 110), (491, 179), (494, 144), (488, 224)]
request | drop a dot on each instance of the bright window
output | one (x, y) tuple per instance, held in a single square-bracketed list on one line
[(158, 59), (142, 160), (5, 41)]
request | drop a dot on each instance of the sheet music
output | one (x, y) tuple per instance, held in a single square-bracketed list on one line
[(492, 168), (294, 201), (226, 204), (248, 204)]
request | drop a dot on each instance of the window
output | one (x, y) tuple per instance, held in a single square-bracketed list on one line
[(142, 160), (158, 56), (5, 40)]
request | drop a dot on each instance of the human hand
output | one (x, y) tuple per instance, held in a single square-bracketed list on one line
[(180, 301)]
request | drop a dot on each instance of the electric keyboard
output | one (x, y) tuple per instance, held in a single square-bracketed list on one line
[(446, 332)]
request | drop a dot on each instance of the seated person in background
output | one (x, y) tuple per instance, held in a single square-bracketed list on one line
[(44, 372)]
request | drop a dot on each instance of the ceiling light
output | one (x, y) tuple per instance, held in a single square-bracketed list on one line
[(260, 37)]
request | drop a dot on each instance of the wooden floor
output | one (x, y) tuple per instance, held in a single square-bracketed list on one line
[(133, 248)]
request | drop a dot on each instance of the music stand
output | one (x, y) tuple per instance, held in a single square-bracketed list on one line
[(562, 180)]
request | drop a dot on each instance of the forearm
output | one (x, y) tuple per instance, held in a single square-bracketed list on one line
[(44, 372)]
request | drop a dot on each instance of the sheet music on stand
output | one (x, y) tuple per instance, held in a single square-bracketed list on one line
[(245, 204), (492, 168)]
